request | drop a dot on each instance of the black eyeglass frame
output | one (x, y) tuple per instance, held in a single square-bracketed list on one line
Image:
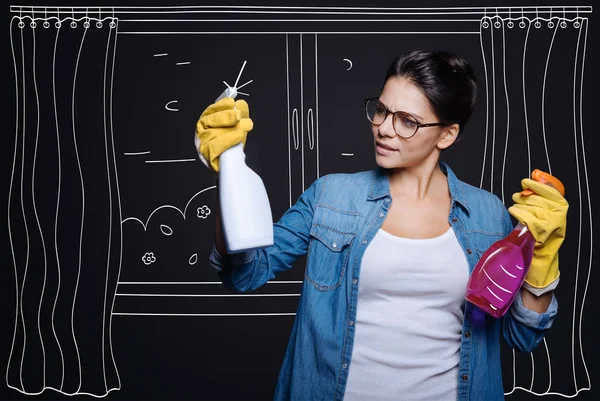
[(394, 113)]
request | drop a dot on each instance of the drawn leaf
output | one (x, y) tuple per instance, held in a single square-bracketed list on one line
[(166, 230)]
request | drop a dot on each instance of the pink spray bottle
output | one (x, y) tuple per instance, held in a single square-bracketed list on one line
[(500, 272)]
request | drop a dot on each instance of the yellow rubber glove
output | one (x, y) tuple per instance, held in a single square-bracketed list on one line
[(222, 125), (545, 214)]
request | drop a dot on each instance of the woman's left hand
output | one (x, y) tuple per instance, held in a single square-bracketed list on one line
[(545, 214)]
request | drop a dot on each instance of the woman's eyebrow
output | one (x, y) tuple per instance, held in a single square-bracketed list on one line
[(418, 117), (404, 111), (415, 115)]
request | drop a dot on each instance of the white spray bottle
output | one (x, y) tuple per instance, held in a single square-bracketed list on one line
[(245, 209)]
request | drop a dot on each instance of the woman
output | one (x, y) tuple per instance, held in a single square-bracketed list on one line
[(382, 314)]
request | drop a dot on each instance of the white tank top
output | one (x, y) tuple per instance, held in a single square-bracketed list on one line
[(409, 320)]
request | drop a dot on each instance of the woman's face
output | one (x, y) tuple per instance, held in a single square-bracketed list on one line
[(393, 151)]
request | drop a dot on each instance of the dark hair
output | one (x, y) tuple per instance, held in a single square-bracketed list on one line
[(445, 78)]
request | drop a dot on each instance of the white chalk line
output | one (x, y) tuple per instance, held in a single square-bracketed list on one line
[(183, 213)]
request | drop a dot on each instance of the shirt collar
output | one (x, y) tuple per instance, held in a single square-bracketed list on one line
[(380, 185), (456, 187)]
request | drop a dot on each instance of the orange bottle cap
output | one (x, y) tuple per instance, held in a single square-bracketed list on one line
[(545, 178)]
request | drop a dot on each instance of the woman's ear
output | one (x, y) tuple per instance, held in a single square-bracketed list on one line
[(448, 136)]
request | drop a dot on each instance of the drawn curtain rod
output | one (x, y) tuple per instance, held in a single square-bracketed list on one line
[(304, 10)]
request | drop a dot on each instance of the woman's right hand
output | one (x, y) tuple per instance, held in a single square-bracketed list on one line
[(221, 126)]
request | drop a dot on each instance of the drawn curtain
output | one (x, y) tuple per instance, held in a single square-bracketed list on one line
[(63, 157), (530, 63)]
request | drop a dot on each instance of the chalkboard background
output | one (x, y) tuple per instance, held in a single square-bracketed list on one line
[(107, 291)]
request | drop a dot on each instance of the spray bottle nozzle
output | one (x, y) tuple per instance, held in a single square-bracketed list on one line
[(233, 91), (545, 178)]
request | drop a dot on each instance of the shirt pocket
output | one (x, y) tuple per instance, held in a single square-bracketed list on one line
[(328, 253), (481, 241)]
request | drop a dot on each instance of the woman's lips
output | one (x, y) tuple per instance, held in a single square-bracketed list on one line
[(384, 149)]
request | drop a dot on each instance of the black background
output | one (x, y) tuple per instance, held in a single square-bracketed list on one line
[(238, 358)]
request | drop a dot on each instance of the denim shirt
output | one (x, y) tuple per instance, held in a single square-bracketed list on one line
[(332, 223)]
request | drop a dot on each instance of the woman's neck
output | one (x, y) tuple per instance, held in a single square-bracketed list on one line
[(418, 183)]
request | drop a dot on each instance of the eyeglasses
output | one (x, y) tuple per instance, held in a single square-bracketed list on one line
[(404, 124)]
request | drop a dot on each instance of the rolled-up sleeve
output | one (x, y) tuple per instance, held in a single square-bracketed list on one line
[(523, 328), (249, 270), (218, 261)]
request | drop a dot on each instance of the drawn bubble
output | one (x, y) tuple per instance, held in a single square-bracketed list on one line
[(21, 24), (193, 259), (73, 24), (57, 24), (550, 24), (99, 24), (497, 24), (33, 24), (576, 24), (112, 24), (537, 24), (203, 212), (86, 24), (485, 24), (166, 230), (46, 24), (522, 24), (563, 24), (148, 258), (510, 24)]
